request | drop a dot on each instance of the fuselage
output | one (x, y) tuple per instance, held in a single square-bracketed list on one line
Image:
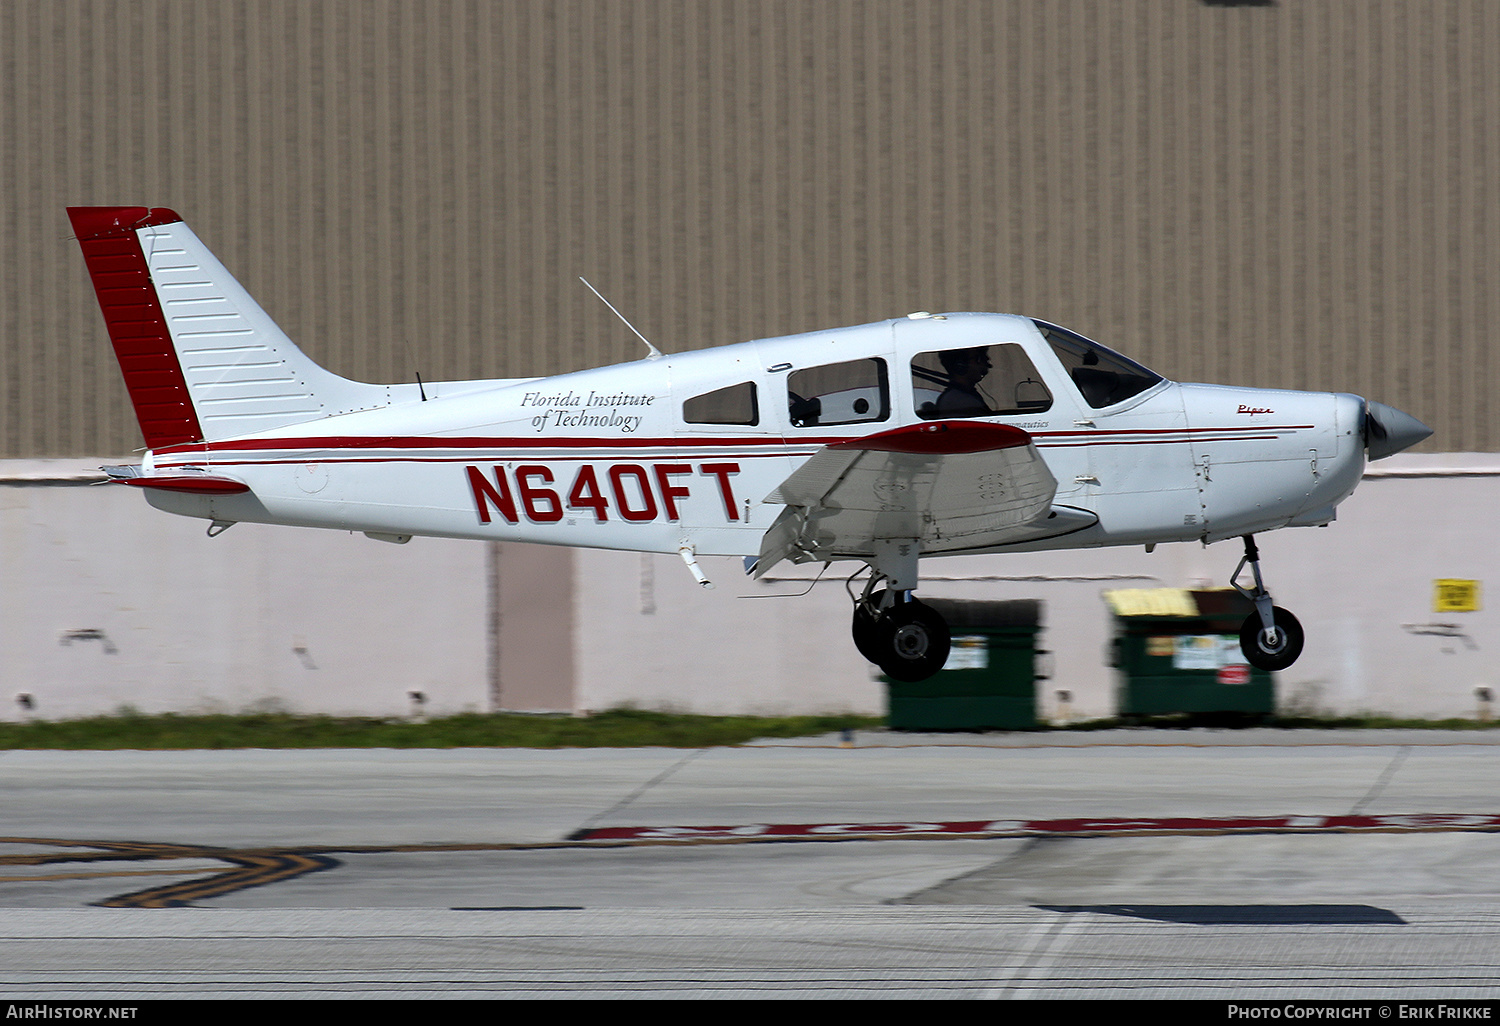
[(661, 453)]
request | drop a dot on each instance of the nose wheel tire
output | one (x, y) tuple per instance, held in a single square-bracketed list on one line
[(1275, 649)]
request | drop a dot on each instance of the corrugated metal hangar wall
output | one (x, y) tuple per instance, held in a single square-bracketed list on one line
[(1299, 194)]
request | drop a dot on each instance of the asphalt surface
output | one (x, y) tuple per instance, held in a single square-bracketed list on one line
[(1208, 864)]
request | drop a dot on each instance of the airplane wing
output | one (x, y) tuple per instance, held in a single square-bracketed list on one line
[(955, 485)]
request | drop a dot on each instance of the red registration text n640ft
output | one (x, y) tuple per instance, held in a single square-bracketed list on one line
[(633, 492)]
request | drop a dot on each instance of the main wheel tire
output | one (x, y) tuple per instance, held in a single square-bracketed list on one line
[(1268, 653), (913, 642)]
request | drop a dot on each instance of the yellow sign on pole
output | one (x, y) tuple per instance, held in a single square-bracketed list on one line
[(1453, 596)]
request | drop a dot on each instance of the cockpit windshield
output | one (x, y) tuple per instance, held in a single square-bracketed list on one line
[(1102, 375)]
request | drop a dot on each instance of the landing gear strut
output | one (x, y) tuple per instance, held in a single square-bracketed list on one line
[(906, 638), (1271, 637)]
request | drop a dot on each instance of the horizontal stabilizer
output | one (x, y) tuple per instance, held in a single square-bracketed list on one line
[(189, 480), (203, 484)]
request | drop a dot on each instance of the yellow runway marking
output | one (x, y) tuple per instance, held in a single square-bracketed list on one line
[(255, 867), (97, 876), (245, 869)]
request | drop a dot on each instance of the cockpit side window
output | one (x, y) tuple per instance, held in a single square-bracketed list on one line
[(733, 404), (1102, 375), (981, 381), (839, 393)]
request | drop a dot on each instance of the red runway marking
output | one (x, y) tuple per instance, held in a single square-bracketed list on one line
[(1043, 827)]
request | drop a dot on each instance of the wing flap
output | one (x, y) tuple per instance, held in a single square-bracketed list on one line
[(951, 485)]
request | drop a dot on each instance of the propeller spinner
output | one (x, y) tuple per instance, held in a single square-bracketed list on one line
[(1388, 431)]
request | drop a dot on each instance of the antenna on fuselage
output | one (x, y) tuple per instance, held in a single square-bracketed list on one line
[(655, 353), (420, 390)]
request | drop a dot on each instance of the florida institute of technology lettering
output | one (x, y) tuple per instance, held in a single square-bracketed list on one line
[(569, 409)]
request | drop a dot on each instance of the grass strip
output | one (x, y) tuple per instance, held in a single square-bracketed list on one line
[(616, 728)]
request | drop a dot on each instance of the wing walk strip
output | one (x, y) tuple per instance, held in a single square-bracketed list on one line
[(257, 867)]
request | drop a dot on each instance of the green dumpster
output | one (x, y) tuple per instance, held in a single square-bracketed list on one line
[(1178, 651), (989, 680)]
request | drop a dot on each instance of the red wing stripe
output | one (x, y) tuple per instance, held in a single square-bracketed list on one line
[(944, 438)]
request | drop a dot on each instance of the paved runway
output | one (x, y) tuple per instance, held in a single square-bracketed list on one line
[(1212, 864)]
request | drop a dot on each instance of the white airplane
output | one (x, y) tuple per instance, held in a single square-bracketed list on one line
[(925, 435)]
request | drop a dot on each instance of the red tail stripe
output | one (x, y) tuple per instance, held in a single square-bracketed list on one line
[(95, 222), (134, 319)]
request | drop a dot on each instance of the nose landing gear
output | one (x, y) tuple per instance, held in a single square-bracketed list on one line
[(1271, 637)]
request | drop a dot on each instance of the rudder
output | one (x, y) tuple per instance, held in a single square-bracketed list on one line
[(202, 361)]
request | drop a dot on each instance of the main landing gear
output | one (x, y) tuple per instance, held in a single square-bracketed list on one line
[(902, 635), (1271, 637)]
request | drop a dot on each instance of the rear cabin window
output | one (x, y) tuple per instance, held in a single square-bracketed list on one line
[(980, 381), (839, 393), (733, 404)]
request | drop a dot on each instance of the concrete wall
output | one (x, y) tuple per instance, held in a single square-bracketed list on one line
[(106, 602), (1363, 589)]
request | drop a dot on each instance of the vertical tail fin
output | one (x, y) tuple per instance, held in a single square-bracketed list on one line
[(201, 359)]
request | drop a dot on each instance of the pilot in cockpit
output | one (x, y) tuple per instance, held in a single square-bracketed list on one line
[(966, 369)]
